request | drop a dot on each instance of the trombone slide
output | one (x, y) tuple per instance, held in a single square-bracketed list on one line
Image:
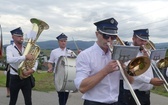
[(130, 87), (154, 65), (125, 78)]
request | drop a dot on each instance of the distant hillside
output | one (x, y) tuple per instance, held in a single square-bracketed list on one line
[(52, 44), (161, 45), (83, 44)]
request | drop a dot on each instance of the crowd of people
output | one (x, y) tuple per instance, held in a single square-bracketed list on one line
[(98, 76)]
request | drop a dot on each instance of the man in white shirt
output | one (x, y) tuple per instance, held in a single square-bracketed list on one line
[(54, 56), (167, 72), (97, 75), (14, 58), (143, 83)]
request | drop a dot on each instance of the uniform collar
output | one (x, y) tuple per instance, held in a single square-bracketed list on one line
[(97, 48)]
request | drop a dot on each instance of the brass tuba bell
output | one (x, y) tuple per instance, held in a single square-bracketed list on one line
[(31, 47)]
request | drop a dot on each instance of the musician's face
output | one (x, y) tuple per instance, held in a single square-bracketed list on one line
[(62, 43), (138, 42), (102, 40), (17, 39)]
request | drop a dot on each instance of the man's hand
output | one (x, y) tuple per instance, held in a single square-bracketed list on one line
[(50, 70), (156, 82), (28, 72), (30, 57)]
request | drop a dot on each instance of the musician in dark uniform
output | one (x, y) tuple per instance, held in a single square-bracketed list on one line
[(143, 83), (14, 58)]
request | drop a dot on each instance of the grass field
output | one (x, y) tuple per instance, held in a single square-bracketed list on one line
[(44, 81)]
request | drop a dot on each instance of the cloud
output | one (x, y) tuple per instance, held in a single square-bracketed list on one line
[(75, 18)]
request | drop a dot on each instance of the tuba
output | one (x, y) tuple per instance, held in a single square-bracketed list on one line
[(31, 47)]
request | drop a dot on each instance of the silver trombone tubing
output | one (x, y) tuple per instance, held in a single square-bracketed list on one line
[(156, 70), (125, 78)]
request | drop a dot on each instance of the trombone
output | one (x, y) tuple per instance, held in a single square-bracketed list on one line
[(132, 65), (163, 63)]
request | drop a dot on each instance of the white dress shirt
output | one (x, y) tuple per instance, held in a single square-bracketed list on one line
[(14, 58), (91, 61), (167, 72), (142, 82), (56, 53)]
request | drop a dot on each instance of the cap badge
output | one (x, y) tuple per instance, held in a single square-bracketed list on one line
[(112, 21)]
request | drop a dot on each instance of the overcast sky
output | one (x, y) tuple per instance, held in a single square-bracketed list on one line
[(75, 18)]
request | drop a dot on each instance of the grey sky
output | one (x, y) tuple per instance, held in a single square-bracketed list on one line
[(75, 18)]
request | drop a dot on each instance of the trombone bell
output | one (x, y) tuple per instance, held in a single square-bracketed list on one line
[(163, 63), (138, 66)]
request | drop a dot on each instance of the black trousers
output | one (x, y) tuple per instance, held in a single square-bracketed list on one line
[(7, 79), (87, 102), (63, 97), (121, 94), (143, 97), (17, 84)]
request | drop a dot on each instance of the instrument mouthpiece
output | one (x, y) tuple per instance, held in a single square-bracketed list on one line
[(109, 45)]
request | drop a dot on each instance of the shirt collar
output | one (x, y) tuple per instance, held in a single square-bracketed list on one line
[(63, 49), (97, 48)]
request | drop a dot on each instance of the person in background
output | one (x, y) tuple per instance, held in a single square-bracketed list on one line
[(8, 76), (167, 72), (143, 83), (54, 56), (7, 80), (14, 57), (97, 75)]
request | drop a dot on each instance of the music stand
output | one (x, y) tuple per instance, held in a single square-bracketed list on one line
[(158, 54), (124, 53)]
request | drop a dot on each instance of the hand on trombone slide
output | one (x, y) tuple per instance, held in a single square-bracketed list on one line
[(111, 67), (156, 82), (144, 51)]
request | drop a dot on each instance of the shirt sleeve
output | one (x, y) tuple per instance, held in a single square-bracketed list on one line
[(35, 66), (11, 58), (52, 59), (82, 69), (142, 78)]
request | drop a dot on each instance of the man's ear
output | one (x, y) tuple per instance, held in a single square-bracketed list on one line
[(96, 33), (12, 36)]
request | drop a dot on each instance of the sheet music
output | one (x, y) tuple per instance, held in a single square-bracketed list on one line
[(124, 53), (158, 54)]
